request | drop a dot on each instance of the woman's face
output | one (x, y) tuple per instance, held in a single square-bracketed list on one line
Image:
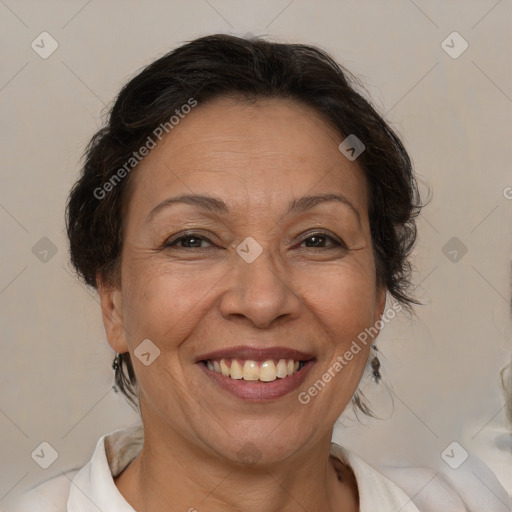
[(267, 258)]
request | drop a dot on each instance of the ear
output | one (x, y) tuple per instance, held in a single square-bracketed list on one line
[(380, 304), (112, 313)]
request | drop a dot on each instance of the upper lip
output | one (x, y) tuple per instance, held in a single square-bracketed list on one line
[(246, 352)]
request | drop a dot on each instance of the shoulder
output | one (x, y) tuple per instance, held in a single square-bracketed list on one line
[(49, 496), (472, 487), (429, 490), (409, 489), (473, 484), (93, 482)]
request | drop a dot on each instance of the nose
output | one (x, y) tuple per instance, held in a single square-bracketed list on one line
[(260, 292)]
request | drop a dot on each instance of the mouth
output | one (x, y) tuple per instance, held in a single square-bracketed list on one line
[(263, 371), (257, 374)]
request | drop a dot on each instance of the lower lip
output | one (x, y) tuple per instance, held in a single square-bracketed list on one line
[(255, 390)]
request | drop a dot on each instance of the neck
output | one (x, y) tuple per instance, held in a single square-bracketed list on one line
[(171, 470)]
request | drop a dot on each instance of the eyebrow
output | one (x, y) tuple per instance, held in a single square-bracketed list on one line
[(218, 206)]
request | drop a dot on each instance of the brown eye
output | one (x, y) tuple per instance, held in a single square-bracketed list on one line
[(320, 240), (188, 241)]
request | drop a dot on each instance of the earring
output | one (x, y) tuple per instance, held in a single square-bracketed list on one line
[(375, 364), (116, 363)]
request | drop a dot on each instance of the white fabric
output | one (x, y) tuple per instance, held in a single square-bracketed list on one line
[(92, 487)]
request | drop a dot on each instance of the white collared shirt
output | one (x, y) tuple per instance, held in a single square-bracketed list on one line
[(92, 487)]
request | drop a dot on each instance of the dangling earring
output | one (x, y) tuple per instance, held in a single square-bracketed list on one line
[(116, 363), (375, 364)]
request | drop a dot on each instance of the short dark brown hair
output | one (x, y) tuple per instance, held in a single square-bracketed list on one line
[(223, 65)]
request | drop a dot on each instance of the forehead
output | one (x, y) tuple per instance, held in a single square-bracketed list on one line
[(252, 153)]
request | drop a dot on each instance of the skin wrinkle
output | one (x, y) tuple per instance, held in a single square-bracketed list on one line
[(218, 208), (187, 302)]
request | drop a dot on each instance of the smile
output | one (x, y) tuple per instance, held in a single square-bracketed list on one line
[(266, 371), (256, 374)]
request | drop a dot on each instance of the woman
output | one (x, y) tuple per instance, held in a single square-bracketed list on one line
[(243, 216)]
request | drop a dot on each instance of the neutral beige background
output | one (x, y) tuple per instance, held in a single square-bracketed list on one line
[(454, 116)]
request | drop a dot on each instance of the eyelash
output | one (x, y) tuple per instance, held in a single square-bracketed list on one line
[(172, 243)]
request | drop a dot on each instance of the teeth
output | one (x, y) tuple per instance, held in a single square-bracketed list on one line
[(224, 368), (235, 370), (267, 371), (282, 372), (250, 371)]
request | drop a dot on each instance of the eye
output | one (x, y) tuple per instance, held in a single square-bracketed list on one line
[(188, 241), (319, 240)]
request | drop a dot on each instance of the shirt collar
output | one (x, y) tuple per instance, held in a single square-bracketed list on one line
[(93, 488), (376, 492)]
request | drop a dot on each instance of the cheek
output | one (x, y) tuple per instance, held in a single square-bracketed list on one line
[(164, 306), (162, 302), (343, 298)]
